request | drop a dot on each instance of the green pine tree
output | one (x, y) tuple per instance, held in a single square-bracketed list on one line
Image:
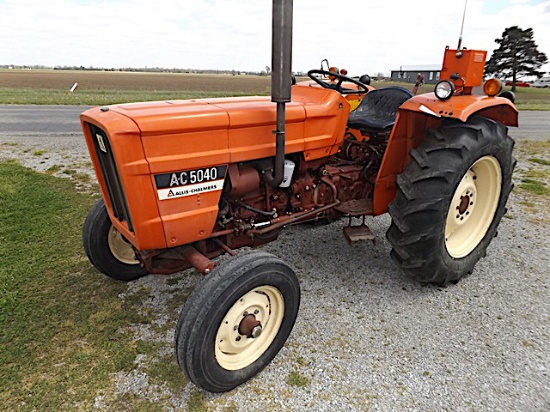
[(516, 56)]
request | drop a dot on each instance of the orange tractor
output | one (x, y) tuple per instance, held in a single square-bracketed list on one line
[(186, 181)]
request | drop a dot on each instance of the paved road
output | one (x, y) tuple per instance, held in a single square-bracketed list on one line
[(53, 128), (27, 120), (533, 125)]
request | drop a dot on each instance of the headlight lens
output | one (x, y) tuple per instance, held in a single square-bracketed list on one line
[(444, 90), (492, 87)]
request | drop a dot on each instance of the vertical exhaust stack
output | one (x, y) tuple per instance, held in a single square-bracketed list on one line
[(281, 78)]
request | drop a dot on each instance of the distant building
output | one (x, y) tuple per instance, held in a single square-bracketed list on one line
[(408, 74)]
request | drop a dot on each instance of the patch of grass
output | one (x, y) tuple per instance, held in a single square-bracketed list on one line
[(534, 186), (534, 147), (142, 315), (177, 299), (295, 378), (164, 371), (540, 221), (531, 98), (54, 169), (63, 327), (197, 402), (39, 152), (301, 361), (103, 97), (172, 282), (132, 402), (83, 177), (538, 174), (528, 204), (543, 162)]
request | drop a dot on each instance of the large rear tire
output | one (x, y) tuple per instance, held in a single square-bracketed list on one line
[(106, 248), (236, 321), (450, 199)]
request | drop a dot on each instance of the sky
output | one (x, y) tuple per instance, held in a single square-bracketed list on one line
[(365, 37)]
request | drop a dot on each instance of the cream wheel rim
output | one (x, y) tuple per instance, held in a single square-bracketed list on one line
[(249, 327), (473, 207), (120, 248)]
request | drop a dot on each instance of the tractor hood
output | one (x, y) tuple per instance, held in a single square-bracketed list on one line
[(239, 127), (231, 129), (169, 117)]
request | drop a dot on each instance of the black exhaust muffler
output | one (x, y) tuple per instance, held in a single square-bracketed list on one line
[(281, 80)]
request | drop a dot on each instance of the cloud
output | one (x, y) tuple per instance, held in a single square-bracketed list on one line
[(364, 37)]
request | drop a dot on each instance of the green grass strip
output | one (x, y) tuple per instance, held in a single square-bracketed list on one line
[(61, 323), (99, 97)]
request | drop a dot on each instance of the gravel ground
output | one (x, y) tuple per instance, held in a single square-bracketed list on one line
[(367, 337)]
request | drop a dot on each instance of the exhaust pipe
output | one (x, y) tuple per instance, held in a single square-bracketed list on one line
[(281, 79)]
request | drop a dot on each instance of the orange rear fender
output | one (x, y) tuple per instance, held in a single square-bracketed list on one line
[(423, 112), (462, 107)]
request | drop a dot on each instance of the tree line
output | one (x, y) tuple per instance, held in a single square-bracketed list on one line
[(135, 69)]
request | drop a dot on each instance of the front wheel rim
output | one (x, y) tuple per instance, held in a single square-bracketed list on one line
[(473, 207), (263, 310), (120, 248)]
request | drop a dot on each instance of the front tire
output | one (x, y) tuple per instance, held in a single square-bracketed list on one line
[(450, 200), (106, 248), (236, 321)]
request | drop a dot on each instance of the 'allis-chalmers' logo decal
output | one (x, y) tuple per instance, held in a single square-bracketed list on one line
[(190, 182), (101, 143)]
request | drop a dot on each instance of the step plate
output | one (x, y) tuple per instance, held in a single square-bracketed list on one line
[(355, 234), (354, 208)]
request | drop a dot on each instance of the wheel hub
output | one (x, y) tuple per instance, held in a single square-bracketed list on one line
[(464, 199), (250, 327), (464, 203)]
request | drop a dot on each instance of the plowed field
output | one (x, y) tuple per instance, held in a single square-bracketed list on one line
[(102, 80)]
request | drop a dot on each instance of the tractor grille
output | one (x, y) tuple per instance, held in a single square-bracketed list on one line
[(110, 175)]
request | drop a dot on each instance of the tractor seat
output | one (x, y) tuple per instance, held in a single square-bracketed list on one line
[(378, 110)]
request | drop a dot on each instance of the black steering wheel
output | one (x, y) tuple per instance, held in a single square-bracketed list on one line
[(338, 85)]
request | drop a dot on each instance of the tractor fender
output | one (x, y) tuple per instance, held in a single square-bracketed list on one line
[(423, 112), (463, 107)]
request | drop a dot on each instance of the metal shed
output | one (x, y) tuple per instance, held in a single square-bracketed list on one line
[(408, 74)]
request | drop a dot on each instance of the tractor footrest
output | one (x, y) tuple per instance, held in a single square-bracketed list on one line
[(354, 208), (355, 234)]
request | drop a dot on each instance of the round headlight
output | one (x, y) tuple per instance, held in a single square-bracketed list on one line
[(444, 90)]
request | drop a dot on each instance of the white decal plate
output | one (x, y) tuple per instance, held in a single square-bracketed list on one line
[(189, 190)]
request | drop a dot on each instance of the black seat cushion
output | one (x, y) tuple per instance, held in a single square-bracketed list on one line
[(378, 110)]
